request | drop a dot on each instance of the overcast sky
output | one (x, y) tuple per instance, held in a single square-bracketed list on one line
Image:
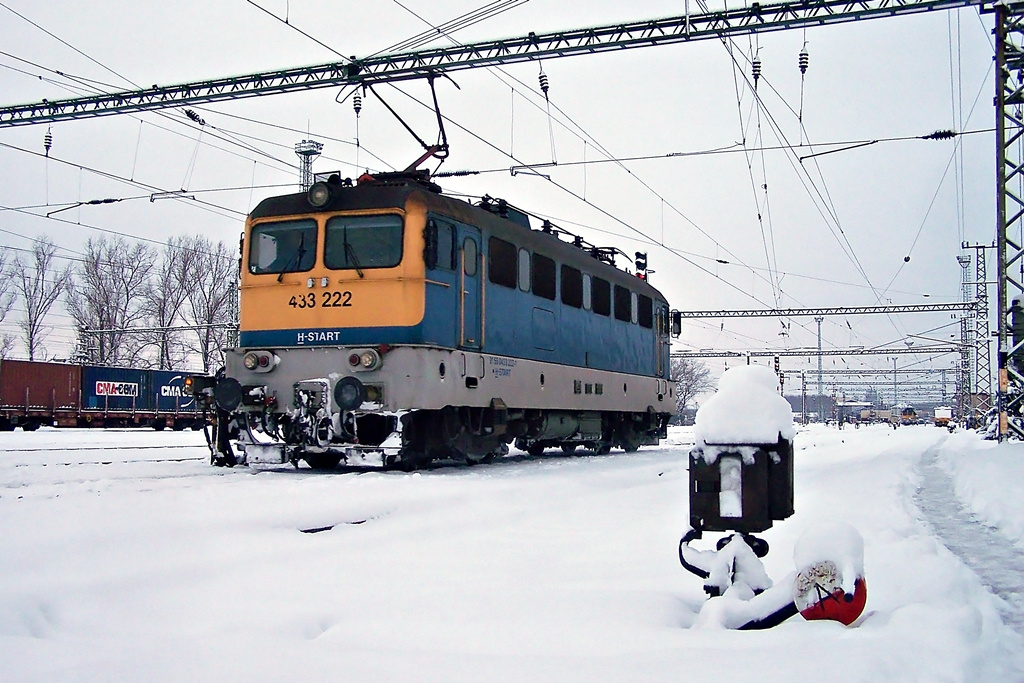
[(833, 230)]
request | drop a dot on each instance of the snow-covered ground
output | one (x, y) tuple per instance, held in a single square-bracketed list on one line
[(125, 556)]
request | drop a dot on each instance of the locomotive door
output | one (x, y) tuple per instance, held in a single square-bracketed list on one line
[(661, 347), (470, 286)]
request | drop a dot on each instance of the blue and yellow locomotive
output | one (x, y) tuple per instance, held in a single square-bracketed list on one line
[(382, 322)]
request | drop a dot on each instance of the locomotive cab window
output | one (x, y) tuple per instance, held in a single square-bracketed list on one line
[(357, 242), (623, 310), (501, 262), (543, 277), (282, 247)]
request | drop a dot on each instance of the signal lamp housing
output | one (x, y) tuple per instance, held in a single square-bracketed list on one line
[(260, 361)]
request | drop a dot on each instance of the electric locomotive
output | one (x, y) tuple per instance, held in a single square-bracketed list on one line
[(382, 322)]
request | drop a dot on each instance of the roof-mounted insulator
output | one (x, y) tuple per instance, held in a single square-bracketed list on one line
[(803, 61), (357, 103), (756, 70), (48, 141), (544, 83)]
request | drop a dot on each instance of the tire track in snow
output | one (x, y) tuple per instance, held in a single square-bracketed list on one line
[(988, 553)]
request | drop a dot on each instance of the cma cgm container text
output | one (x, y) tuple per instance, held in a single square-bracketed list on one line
[(117, 390)]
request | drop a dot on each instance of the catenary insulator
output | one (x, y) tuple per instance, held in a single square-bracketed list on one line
[(544, 83), (357, 103), (48, 141), (804, 58), (756, 69)]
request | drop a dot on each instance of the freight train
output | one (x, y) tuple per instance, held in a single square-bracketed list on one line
[(382, 322), (34, 394)]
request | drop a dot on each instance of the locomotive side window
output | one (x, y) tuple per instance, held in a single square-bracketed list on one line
[(633, 299), (524, 270), (586, 291), (645, 314), (601, 293), (357, 242), (543, 276), (502, 262), (622, 304), (282, 247), (469, 256), (572, 287)]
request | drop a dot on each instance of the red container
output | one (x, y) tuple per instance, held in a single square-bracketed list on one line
[(39, 386)]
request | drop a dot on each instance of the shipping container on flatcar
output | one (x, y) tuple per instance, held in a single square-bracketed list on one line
[(175, 407), (34, 394), (117, 397)]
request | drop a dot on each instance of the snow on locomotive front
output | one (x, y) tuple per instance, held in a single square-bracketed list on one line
[(384, 323)]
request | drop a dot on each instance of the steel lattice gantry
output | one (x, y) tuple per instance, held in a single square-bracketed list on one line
[(1009, 30), (424, 63), (897, 351), (834, 310)]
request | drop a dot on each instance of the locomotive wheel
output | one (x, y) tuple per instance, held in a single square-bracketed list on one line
[(535, 449), (569, 448), (322, 462), (602, 448)]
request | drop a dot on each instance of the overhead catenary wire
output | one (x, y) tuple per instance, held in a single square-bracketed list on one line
[(585, 167)]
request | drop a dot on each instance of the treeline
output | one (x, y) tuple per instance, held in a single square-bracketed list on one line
[(133, 304)]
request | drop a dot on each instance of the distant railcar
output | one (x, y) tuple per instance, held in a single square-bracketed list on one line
[(386, 320), (33, 394), (908, 416)]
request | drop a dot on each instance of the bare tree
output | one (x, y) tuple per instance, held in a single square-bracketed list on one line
[(109, 295), (211, 286), (692, 379), (164, 297), (6, 302), (39, 284)]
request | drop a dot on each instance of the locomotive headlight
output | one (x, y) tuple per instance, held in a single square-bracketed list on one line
[(319, 194), (369, 359), (260, 361)]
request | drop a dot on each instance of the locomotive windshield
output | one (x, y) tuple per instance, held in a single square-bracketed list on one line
[(357, 242), (284, 247)]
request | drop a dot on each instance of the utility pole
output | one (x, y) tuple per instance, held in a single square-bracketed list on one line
[(1009, 76), (966, 383), (895, 396), (803, 397), (982, 333), (819, 319)]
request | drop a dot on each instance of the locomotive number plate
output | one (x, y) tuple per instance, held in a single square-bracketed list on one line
[(325, 300)]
